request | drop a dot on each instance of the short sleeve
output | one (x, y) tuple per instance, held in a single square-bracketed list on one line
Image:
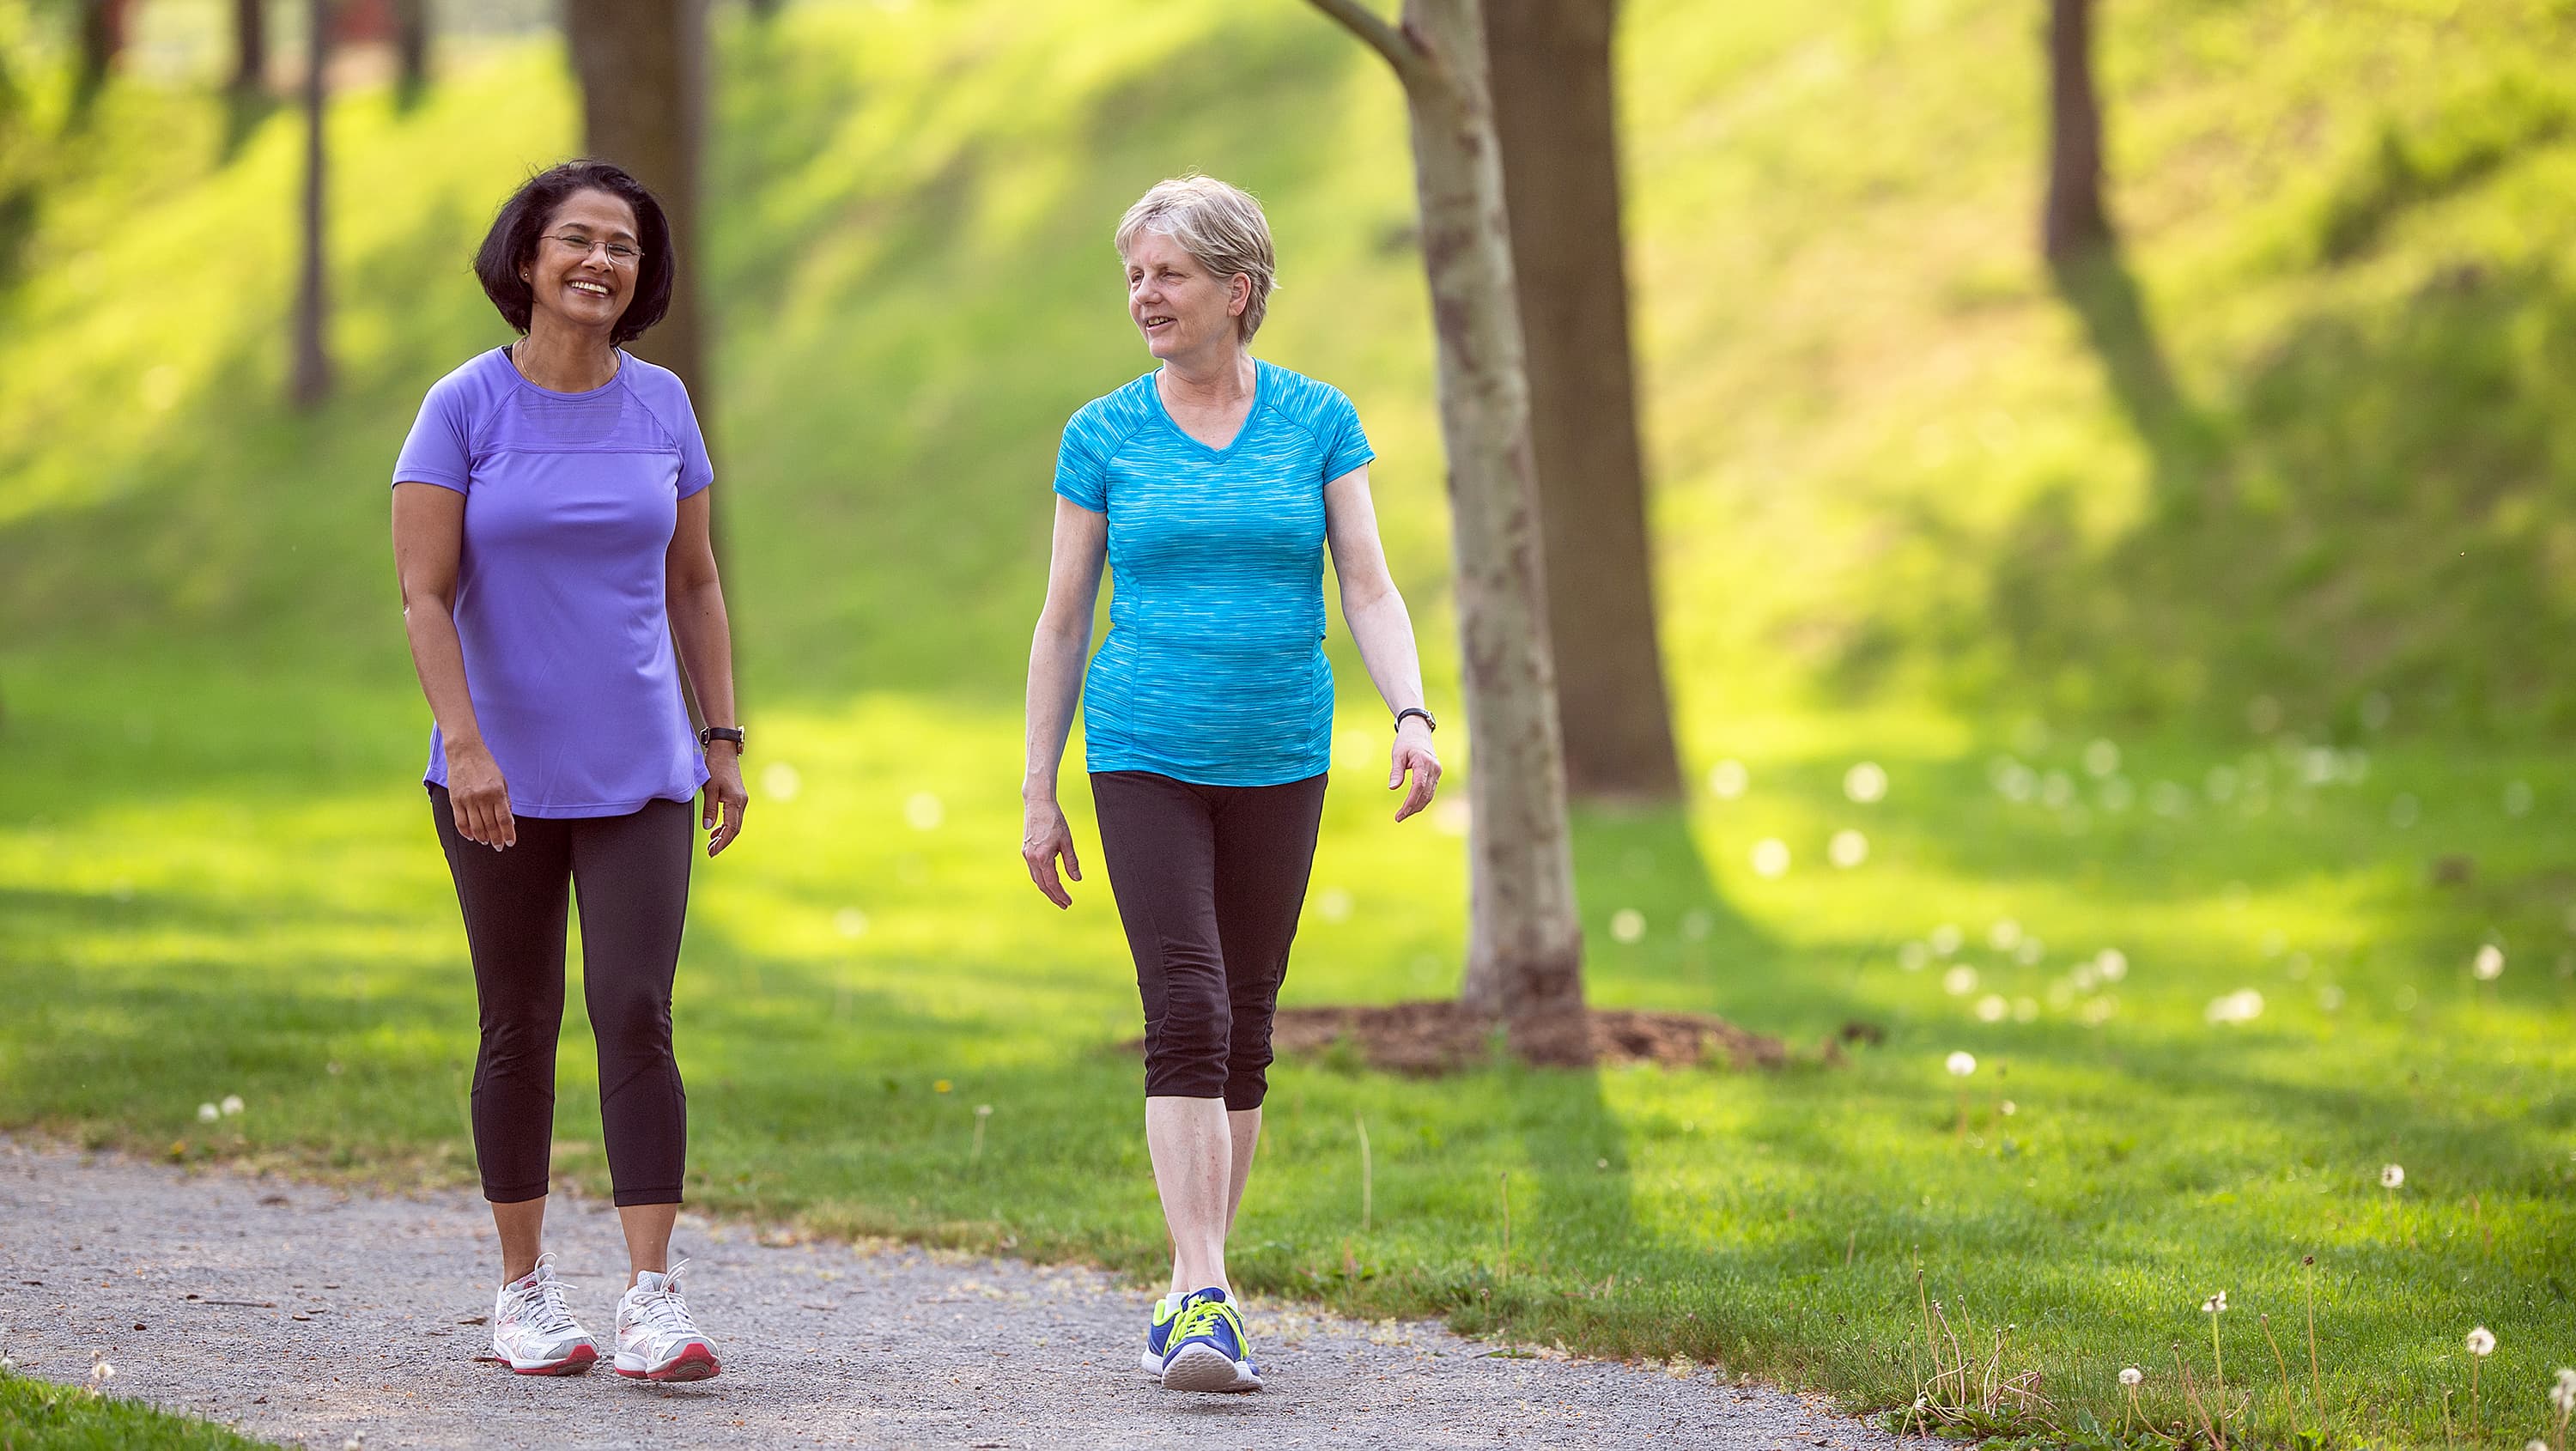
[(1346, 446), (440, 447), (696, 469), (1081, 473)]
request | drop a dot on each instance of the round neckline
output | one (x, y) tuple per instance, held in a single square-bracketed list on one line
[(533, 386), (1251, 410)]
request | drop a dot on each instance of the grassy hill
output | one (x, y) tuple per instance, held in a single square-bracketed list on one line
[(2273, 511)]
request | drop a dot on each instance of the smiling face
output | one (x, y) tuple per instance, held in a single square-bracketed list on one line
[(1178, 305), (573, 279)]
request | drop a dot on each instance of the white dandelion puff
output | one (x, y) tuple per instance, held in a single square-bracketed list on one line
[(1866, 783), (2215, 1304), (1945, 939), (2004, 936), (2131, 1376), (1913, 956), (2489, 963), (1848, 849), (207, 1113), (2391, 1176), (1727, 780), (1627, 924), (780, 781), (231, 1105), (1961, 1064), (1771, 858), (1992, 1009), (2112, 963), (2481, 1342), (1959, 981)]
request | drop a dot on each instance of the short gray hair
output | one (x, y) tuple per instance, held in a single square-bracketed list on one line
[(1222, 229)]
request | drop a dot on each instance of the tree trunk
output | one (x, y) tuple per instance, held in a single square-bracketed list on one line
[(642, 67), (311, 382), (250, 46), (411, 47), (2074, 222), (1555, 116), (102, 39), (1525, 943)]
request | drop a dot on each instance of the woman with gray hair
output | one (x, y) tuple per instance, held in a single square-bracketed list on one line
[(1211, 487)]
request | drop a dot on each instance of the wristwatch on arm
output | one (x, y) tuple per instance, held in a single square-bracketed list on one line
[(1427, 721), (712, 734)]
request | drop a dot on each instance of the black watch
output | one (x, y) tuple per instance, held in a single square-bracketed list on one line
[(1415, 710), (713, 734)]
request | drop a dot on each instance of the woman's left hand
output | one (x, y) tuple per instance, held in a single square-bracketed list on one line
[(1413, 753), (725, 797)]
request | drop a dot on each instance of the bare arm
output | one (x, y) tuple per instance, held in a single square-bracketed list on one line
[(694, 598), (429, 539), (1063, 638), (1383, 630)]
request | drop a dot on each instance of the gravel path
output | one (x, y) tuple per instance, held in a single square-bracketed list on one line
[(308, 1316)]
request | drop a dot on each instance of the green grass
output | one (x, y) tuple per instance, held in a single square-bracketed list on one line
[(216, 878), (35, 1414)]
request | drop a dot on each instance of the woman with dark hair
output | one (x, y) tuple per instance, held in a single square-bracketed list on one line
[(550, 522)]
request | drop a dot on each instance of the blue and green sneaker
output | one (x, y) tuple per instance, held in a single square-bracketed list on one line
[(1206, 1349), (1158, 1334)]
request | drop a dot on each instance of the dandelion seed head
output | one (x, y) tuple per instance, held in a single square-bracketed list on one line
[(207, 1113), (2488, 964), (1913, 956), (1959, 981), (1945, 939), (2391, 1175), (2481, 1342), (102, 1370), (1961, 1064), (2131, 1375), (1992, 1009), (2112, 963), (231, 1105), (2215, 1304), (780, 781), (2241, 1006), (1848, 849), (1770, 858), (1865, 783), (1333, 904), (1727, 780), (2004, 936), (1627, 925)]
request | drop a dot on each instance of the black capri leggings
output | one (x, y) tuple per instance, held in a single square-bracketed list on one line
[(1209, 881), (633, 875)]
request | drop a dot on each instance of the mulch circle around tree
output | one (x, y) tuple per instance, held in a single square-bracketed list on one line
[(1429, 1038)]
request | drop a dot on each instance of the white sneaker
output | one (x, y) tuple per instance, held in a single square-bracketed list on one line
[(533, 1332), (656, 1339)]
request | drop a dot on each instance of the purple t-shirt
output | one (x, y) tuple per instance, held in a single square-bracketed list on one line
[(570, 502)]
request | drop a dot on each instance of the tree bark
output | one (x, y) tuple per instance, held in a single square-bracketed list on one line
[(2074, 222), (411, 47), (1556, 117), (102, 40), (250, 46), (1525, 943), (311, 382)]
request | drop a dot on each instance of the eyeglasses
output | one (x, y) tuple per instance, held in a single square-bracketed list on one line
[(618, 252)]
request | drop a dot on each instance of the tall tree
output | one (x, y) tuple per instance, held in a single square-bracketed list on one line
[(250, 46), (643, 71), (1524, 944), (102, 39), (411, 47), (2073, 222), (311, 381), (1556, 116)]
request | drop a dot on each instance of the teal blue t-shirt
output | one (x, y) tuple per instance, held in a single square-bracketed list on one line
[(1213, 671)]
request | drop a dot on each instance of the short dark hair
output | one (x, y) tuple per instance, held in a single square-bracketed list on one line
[(512, 243)]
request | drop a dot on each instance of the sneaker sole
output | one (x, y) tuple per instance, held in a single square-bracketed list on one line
[(1205, 1368), (581, 1359), (694, 1362), (1150, 1363)]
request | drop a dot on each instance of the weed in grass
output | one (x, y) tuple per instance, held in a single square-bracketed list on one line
[(2316, 1377), (1961, 1064), (2130, 1378), (2213, 1307), (975, 1155), (2482, 1343), (2288, 1399), (2562, 1399), (1367, 1177)]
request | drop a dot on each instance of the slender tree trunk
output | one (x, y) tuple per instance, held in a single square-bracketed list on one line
[(411, 47), (250, 46), (1525, 943), (1557, 120), (102, 39), (642, 66), (311, 382), (2074, 222)]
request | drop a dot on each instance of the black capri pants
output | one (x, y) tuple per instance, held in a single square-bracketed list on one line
[(1209, 881), (632, 873)]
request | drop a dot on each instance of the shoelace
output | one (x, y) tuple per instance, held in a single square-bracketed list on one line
[(543, 1303), (1194, 1321), (663, 1309)]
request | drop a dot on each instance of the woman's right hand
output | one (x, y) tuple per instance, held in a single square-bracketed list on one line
[(481, 798), (1044, 837)]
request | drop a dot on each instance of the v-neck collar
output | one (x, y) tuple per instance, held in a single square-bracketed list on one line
[(1251, 411)]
